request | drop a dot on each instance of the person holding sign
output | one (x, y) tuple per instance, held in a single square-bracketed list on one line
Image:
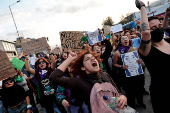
[(45, 90), (104, 54), (14, 97), (132, 85)]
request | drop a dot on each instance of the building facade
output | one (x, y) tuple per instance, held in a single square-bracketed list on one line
[(9, 47)]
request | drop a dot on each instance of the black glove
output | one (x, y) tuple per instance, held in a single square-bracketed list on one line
[(139, 4)]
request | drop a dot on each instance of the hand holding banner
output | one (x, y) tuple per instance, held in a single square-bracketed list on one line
[(94, 37), (130, 59)]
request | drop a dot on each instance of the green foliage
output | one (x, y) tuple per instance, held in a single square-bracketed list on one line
[(108, 21), (124, 20)]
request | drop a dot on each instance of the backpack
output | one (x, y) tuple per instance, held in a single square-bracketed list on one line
[(98, 104)]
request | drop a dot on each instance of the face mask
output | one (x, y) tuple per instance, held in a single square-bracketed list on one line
[(157, 35), (102, 52)]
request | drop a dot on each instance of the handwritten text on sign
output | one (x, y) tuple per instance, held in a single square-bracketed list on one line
[(6, 69), (35, 46), (71, 40)]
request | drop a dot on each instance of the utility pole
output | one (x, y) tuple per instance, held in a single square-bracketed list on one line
[(14, 19)]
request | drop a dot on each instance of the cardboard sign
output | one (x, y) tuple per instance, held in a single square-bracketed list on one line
[(56, 50), (94, 37), (107, 29), (116, 28), (6, 69), (17, 63), (134, 68), (35, 46), (71, 40)]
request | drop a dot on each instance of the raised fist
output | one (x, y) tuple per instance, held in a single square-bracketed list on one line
[(167, 12), (139, 4)]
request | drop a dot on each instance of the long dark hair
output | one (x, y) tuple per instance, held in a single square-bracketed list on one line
[(119, 42), (5, 91), (37, 68), (13, 91)]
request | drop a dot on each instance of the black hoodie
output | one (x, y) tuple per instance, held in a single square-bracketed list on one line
[(13, 96)]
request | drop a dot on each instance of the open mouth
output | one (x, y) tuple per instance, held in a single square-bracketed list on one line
[(98, 52), (126, 42), (94, 64)]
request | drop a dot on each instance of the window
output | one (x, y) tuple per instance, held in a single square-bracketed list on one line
[(15, 54)]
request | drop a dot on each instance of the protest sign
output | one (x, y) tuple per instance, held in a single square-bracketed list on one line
[(71, 40), (56, 50), (116, 28), (6, 69), (107, 29), (35, 46), (133, 67), (17, 63), (94, 37)]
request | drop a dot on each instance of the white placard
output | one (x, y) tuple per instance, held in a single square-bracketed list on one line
[(134, 68), (116, 28)]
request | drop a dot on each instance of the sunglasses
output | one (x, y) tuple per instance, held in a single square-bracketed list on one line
[(10, 80), (96, 48), (22, 58), (122, 39), (41, 62)]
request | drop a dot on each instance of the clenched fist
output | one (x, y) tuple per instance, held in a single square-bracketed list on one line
[(139, 4)]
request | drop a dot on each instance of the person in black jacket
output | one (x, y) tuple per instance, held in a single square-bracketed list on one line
[(104, 54), (86, 65), (14, 97)]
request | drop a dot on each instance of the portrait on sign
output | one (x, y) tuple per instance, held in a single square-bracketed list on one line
[(107, 29), (71, 40)]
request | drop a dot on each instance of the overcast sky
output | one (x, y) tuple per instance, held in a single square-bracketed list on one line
[(38, 18)]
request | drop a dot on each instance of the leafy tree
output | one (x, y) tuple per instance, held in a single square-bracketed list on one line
[(108, 21), (124, 20)]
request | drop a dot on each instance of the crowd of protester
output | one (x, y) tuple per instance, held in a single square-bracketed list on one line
[(63, 82)]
